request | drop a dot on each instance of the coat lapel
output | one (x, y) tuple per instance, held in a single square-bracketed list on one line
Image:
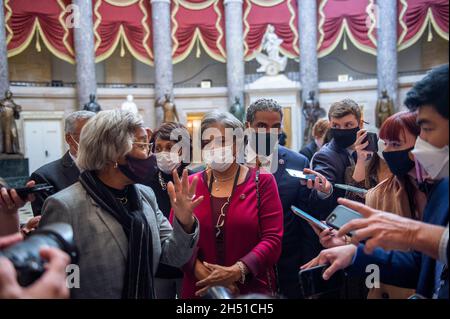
[(114, 227)]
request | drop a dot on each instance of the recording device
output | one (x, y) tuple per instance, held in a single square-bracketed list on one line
[(352, 189), (373, 142), (25, 255), (220, 292), (313, 285), (300, 174), (297, 211), (340, 216), (23, 192)]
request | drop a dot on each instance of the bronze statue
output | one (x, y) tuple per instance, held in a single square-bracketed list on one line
[(9, 112), (237, 110), (170, 111), (92, 105), (312, 112), (383, 109)]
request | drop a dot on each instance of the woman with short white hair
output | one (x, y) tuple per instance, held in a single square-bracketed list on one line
[(120, 232)]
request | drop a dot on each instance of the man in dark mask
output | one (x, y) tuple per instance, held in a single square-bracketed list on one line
[(264, 123), (330, 163)]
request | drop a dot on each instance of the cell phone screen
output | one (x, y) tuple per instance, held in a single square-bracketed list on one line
[(300, 174), (313, 284)]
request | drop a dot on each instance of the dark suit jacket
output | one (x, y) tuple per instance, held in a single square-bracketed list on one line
[(330, 161), (300, 243), (309, 150), (410, 269), (60, 174)]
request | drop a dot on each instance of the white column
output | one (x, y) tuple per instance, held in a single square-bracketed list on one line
[(4, 73)]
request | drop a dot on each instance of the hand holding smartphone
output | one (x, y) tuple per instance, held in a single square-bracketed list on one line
[(23, 192), (312, 282), (297, 211), (340, 216), (300, 174)]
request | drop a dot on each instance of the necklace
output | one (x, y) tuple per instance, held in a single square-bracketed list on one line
[(162, 182), (217, 180)]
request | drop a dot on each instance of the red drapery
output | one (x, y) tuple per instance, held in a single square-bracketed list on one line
[(47, 19), (258, 14), (416, 16), (200, 24), (124, 23)]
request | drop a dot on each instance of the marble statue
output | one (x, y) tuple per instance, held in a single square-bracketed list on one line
[(312, 112), (271, 62), (129, 105), (383, 109), (237, 110), (92, 105), (9, 112)]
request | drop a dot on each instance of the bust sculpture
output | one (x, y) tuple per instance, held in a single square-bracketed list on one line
[(129, 105), (92, 105)]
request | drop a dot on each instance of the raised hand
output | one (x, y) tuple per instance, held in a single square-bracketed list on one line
[(320, 184), (182, 199), (10, 201)]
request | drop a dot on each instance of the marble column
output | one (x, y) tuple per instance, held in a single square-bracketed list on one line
[(235, 50), (162, 52), (309, 65), (85, 52), (387, 48), (4, 73)]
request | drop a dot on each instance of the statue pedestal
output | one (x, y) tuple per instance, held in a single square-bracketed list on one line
[(14, 169), (287, 94)]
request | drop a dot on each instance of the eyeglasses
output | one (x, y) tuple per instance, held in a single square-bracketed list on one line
[(144, 146)]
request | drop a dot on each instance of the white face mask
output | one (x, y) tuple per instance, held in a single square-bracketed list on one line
[(168, 161), (433, 160), (381, 147), (219, 159)]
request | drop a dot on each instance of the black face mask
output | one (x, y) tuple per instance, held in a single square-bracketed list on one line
[(344, 137), (140, 171), (399, 162), (264, 143)]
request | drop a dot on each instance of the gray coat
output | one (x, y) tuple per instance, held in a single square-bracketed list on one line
[(103, 245)]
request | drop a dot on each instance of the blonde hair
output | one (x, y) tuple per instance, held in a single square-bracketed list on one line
[(106, 137)]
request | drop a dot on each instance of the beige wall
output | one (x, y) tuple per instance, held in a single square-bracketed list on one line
[(434, 52), (119, 69), (31, 65)]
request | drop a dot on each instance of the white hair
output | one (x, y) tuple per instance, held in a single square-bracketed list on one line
[(107, 137), (71, 120)]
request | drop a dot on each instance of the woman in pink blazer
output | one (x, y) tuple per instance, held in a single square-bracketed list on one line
[(240, 240)]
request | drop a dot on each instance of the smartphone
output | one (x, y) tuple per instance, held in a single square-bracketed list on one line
[(313, 285), (23, 192), (297, 211), (300, 174), (373, 142), (340, 216)]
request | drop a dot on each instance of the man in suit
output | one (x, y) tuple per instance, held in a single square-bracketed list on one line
[(420, 256), (300, 243), (319, 133), (331, 161), (63, 172)]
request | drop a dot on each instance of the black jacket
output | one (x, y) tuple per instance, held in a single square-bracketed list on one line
[(60, 174), (330, 161), (309, 150)]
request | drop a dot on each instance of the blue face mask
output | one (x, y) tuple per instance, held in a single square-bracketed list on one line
[(399, 162)]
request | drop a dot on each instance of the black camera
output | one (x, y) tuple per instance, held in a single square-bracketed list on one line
[(25, 255)]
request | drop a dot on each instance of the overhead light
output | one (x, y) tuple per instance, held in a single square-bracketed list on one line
[(343, 78)]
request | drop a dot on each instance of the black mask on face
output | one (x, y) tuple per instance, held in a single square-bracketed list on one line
[(399, 162), (344, 137), (140, 171), (264, 143)]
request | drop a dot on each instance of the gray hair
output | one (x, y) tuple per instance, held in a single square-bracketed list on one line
[(107, 137), (227, 119), (71, 120), (263, 105)]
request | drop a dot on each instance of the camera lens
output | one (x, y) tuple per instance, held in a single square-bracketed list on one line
[(332, 218)]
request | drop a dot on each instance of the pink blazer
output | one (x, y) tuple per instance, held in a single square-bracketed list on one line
[(249, 236)]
